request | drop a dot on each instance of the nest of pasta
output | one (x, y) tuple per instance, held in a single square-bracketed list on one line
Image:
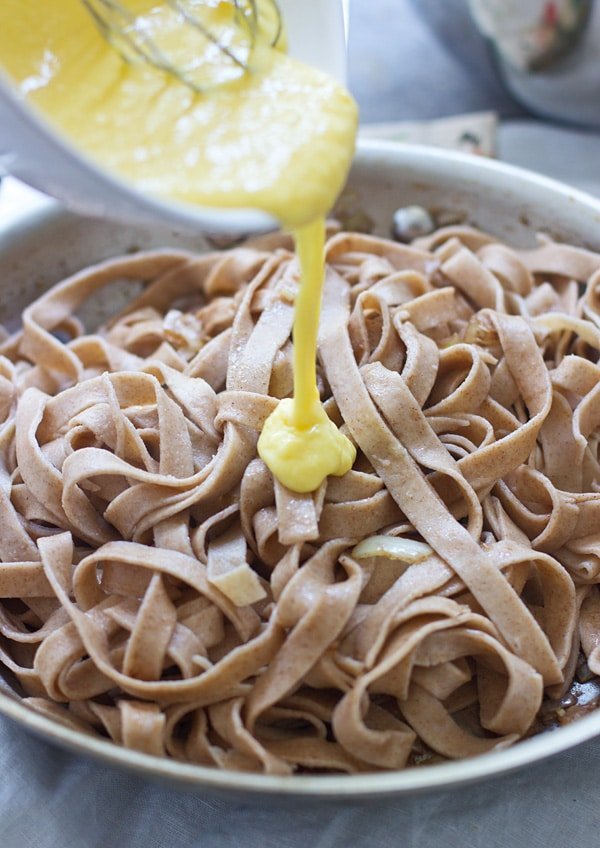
[(160, 588)]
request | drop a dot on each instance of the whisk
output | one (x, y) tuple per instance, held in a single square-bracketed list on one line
[(131, 36)]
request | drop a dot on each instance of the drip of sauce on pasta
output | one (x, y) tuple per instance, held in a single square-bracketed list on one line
[(299, 442), (279, 138)]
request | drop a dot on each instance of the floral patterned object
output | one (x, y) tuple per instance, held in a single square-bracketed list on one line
[(530, 35)]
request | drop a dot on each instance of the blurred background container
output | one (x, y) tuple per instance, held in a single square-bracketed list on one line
[(421, 60), (426, 58)]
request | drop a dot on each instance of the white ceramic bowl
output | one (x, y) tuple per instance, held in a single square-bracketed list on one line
[(31, 150), (40, 249)]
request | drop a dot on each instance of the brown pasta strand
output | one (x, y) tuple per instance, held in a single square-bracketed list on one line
[(159, 588)]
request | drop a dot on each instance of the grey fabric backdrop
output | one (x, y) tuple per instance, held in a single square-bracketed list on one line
[(400, 68), (50, 799), (413, 59)]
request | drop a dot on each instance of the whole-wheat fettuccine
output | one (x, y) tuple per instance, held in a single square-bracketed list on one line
[(159, 588)]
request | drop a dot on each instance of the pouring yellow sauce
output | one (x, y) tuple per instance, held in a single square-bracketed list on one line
[(299, 442), (279, 137)]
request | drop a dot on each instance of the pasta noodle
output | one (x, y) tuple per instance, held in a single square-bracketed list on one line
[(161, 589)]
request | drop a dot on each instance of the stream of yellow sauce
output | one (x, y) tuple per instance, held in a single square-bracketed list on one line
[(299, 442), (279, 138)]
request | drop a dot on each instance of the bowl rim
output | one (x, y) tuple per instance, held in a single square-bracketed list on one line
[(376, 785), (500, 174), (447, 775)]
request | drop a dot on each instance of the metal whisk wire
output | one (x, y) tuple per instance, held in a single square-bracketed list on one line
[(120, 27)]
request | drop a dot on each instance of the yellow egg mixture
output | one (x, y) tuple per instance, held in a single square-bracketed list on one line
[(279, 137)]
